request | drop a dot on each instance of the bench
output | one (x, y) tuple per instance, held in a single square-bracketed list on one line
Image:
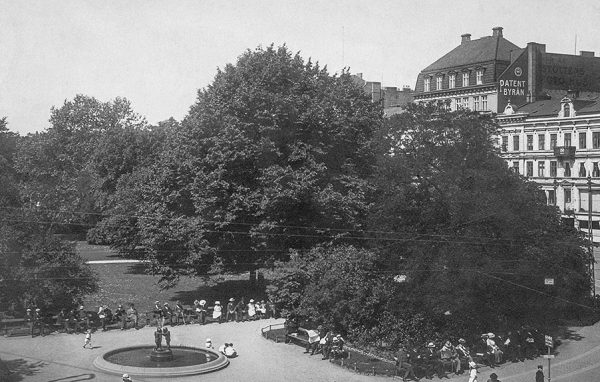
[(299, 338)]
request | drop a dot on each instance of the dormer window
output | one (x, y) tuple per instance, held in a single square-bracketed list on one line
[(465, 79), (426, 84), (566, 108), (438, 82), (451, 81), (479, 76)]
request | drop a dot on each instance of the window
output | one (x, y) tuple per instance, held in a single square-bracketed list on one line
[(567, 139), (530, 142), (582, 171), (567, 195), (551, 198), (465, 79), (479, 77), (567, 110), (529, 168), (567, 168), (504, 143), (426, 83), (452, 81), (552, 141), (541, 142), (465, 102), (476, 103), (515, 167), (541, 167), (515, 143), (596, 140), (584, 199), (553, 168), (582, 140), (438, 83), (595, 170), (484, 103)]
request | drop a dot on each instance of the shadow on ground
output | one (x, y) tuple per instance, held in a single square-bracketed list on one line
[(223, 291), (21, 369)]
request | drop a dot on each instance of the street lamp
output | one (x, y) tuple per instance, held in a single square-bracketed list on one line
[(591, 236)]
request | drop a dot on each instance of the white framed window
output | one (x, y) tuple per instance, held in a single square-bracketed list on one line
[(479, 77), (438, 82), (452, 81), (476, 105), (465, 102), (458, 102), (465, 79), (484, 103), (426, 84)]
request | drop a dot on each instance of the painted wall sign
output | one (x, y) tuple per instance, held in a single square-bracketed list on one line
[(513, 83)]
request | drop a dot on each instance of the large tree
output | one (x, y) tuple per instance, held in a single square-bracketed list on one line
[(274, 154), (35, 266), (457, 242)]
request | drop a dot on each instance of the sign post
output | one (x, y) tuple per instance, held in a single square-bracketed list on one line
[(550, 344)]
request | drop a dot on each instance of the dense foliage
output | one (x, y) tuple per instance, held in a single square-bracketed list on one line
[(458, 243), (35, 265), (274, 155)]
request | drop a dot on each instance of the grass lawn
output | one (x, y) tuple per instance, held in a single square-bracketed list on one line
[(125, 283)]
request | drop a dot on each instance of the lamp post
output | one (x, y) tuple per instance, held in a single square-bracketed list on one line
[(591, 236)]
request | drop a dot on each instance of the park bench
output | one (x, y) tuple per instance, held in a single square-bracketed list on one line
[(299, 338)]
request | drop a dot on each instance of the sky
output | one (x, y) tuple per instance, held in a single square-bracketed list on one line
[(158, 54)]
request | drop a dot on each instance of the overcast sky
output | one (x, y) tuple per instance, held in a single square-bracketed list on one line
[(159, 53)]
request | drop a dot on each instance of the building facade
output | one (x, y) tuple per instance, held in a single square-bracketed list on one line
[(468, 75), (548, 108), (394, 99), (550, 129)]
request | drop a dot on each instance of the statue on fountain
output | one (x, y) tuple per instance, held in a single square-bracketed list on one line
[(160, 354), (158, 338)]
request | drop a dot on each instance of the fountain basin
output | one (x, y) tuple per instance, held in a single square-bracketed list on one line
[(138, 361)]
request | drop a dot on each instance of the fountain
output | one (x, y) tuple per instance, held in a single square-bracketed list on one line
[(157, 361)]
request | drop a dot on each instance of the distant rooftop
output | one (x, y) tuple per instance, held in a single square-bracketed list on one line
[(469, 52)]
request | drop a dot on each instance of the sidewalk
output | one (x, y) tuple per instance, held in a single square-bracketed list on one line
[(60, 357)]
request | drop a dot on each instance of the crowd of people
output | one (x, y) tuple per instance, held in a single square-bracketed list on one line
[(489, 349), (80, 320)]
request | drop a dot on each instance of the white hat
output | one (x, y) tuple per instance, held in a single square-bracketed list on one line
[(38, 309), (208, 340), (157, 302), (202, 302), (217, 303), (491, 335), (472, 364), (431, 345), (251, 300), (166, 303), (126, 378)]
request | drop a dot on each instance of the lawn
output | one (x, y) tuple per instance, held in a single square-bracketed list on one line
[(125, 283)]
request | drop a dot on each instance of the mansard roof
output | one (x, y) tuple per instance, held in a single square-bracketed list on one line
[(584, 103), (489, 48)]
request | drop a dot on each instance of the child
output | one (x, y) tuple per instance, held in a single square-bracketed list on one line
[(472, 372), (209, 344), (539, 375), (88, 339)]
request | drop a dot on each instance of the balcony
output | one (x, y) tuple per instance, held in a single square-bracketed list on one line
[(564, 152)]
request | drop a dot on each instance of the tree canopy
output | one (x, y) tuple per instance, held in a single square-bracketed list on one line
[(272, 148)]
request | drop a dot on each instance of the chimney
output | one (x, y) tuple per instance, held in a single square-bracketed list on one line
[(465, 38), (586, 53), (497, 32)]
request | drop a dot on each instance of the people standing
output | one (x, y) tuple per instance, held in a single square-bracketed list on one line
[(179, 313), (231, 312), (251, 310), (102, 317), (157, 313), (132, 315), (539, 374), (126, 378), (472, 371), (218, 312), (88, 339), (167, 314), (209, 344)]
